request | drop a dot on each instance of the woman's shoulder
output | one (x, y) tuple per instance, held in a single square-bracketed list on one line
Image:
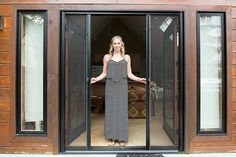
[(107, 57), (127, 57)]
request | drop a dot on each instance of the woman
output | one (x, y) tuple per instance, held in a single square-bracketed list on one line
[(116, 69)]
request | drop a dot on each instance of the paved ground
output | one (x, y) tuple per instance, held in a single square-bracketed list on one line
[(114, 155)]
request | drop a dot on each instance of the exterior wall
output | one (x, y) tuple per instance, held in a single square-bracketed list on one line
[(10, 143), (221, 143), (234, 72), (5, 76)]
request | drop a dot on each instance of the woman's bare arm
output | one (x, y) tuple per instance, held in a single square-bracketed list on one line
[(104, 70), (129, 71)]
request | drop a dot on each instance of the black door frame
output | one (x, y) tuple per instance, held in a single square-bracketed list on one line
[(104, 150)]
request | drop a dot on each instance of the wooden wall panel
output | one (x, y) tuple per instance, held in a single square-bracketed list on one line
[(234, 58), (11, 145), (4, 129), (53, 79), (4, 140), (5, 58), (4, 93), (5, 10), (23, 150), (5, 76), (234, 106), (233, 77), (234, 12), (234, 24), (5, 2), (4, 117), (190, 71), (234, 128), (5, 45), (5, 81), (4, 105), (234, 139), (5, 34), (234, 117), (233, 46), (233, 81), (219, 142), (5, 69), (7, 22), (216, 149), (233, 70), (234, 35)]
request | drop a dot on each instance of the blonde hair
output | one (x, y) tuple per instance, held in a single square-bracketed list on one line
[(111, 49)]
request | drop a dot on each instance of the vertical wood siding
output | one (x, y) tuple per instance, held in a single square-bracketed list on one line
[(5, 75), (234, 74)]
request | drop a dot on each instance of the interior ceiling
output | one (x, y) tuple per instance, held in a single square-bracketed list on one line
[(136, 24)]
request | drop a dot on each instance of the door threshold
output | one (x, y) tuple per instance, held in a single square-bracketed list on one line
[(123, 152)]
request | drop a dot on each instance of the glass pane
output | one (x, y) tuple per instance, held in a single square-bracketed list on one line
[(164, 81), (32, 73), (75, 80), (210, 73)]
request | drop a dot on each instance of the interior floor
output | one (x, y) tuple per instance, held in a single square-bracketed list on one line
[(137, 131)]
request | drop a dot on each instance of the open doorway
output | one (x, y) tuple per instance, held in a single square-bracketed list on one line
[(132, 30), (152, 109)]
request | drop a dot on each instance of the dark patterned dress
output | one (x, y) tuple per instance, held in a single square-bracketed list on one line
[(116, 101)]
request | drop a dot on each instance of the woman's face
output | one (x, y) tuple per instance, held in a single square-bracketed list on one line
[(116, 44)]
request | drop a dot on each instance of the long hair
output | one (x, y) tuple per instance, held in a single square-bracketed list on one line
[(111, 50)]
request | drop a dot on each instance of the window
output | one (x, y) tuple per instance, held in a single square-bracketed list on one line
[(31, 73), (211, 73)]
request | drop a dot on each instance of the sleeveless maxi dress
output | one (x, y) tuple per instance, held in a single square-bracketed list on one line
[(116, 101)]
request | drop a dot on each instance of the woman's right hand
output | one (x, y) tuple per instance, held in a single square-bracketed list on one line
[(93, 80)]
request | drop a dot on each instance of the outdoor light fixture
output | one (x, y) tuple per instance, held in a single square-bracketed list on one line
[(1, 22)]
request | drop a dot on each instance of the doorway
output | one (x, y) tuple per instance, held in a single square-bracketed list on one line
[(153, 42)]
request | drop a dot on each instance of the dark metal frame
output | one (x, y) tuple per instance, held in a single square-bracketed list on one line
[(148, 76), (182, 83), (20, 13), (103, 149), (224, 75), (88, 72)]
